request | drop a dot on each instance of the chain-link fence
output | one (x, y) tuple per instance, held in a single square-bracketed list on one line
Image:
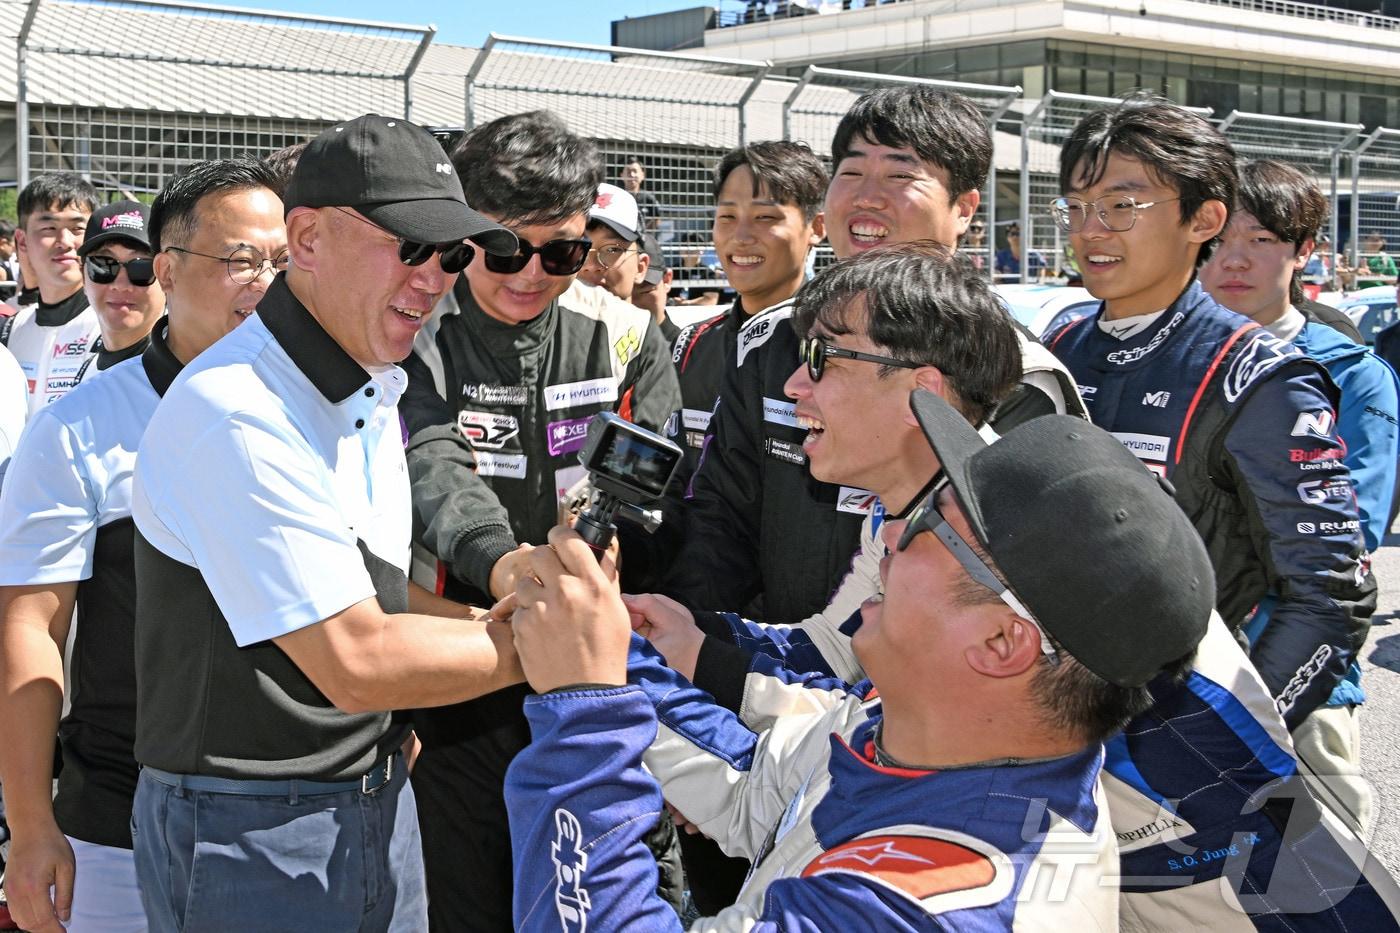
[(1316, 148), (673, 114), (1371, 215), (127, 91)]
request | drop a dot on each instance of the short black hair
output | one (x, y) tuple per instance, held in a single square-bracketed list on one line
[(790, 172), (56, 190), (926, 305), (528, 168), (173, 218), (1073, 698), (943, 129), (1177, 146), (634, 158), (7, 230), (1286, 203), (283, 163)]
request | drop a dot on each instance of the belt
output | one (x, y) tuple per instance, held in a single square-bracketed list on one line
[(370, 783)]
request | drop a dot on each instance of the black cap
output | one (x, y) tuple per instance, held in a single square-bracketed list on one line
[(394, 173), (121, 220), (1094, 545), (656, 268)]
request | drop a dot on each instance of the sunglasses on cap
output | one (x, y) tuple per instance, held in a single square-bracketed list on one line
[(454, 256), (102, 270), (814, 350), (926, 517), (557, 257)]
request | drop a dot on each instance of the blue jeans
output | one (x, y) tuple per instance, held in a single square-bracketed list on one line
[(332, 862)]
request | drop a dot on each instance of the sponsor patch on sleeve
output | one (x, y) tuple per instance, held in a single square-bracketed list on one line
[(587, 392), (487, 430), (566, 437), (510, 466)]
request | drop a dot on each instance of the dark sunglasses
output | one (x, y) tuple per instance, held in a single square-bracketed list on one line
[(103, 270), (557, 257), (814, 350), (454, 256), (926, 517)]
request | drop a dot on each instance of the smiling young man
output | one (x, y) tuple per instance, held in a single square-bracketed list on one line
[(1209, 399), (119, 279), (505, 377), (53, 338), (66, 541), (943, 792), (908, 165), (1255, 271)]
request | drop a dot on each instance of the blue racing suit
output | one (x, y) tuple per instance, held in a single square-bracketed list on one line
[(1244, 426)]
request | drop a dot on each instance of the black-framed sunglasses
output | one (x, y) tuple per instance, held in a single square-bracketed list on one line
[(814, 351), (103, 270), (926, 517), (557, 257), (454, 256)]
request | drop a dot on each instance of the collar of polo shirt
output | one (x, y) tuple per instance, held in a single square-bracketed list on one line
[(329, 368), (161, 365)]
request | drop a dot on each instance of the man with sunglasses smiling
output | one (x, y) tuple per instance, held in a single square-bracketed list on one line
[(1009, 642), (119, 278), (276, 629), (506, 375), (1208, 398), (66, 540)]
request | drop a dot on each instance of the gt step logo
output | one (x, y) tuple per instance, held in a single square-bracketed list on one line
[(1320, 491)]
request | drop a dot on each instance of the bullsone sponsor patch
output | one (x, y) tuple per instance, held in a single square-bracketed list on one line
[(587, 392)]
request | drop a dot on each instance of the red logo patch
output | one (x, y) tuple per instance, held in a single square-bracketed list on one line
[(919, 866), (603, 199)]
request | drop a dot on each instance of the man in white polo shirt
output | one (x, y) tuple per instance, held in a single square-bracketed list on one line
[(66, 539), (275, 626)]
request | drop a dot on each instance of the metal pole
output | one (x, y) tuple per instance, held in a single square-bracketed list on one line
[(801, 86), (469, 118), (992, 187), (412, 69), (744, 101), (22, 98), (1026, 126)]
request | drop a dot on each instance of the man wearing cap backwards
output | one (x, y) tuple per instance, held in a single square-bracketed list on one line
[(275, 626), (889, 804), (66, 539), (514, 363)]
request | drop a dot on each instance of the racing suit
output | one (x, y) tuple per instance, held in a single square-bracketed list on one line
[(757, 522), (52, 343), (837, 840), (1175, 818), (495, 416), (1244, 427), (702, 353)]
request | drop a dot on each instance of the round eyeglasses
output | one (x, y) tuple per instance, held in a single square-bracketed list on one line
[(244, 265), (1117, 212)]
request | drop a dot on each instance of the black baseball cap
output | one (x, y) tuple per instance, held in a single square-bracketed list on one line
[(394, 173), (120, 220), (1092, 543), (656, 268)]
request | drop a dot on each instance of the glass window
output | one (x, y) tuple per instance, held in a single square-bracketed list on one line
[(977, 58), (1096, 82), (1017, 54)]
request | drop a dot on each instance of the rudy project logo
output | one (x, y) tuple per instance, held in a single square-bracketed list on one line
[(1314, 424), (486, 430), (571, 898), (566, 437)]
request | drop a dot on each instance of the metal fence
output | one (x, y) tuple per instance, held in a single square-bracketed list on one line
[(1373, 212), (127, 91)]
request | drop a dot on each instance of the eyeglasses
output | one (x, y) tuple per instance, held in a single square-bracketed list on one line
[(926, 517), (102, 270), (454, 256), (244, 266), (1118, 215), (606, 256), (557, 257), (814, 350)]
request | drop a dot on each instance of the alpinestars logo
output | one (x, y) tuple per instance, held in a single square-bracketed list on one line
[(1261, 356), (1302, 678), (873, 854), (570, 861)]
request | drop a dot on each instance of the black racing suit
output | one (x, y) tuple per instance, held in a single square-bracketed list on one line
[(1244, 427), (757, 522), (495, 415)]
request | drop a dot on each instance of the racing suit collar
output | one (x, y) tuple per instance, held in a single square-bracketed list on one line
[(498, 336)]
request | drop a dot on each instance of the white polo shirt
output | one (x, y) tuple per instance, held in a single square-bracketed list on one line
[(14, 407), (271, 493), (51, 343)]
